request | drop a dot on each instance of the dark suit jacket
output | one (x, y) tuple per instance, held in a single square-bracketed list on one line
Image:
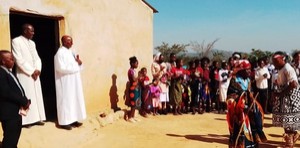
[(11, 98)]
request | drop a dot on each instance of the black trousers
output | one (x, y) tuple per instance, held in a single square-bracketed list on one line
[(11, 132), (263, 98)]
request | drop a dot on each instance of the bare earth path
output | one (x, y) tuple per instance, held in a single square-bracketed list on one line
[(165, 131)]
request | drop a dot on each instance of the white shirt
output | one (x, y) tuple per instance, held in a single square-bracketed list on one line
[(224, 75), (261, 81), (286, 75), (15, 79)]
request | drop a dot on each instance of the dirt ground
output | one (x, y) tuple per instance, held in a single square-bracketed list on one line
[(164, 131)]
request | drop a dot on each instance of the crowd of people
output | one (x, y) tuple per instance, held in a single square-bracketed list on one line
[(241, 89)]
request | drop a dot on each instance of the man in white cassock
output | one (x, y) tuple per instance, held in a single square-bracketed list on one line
[(28, 70), (69, 93)]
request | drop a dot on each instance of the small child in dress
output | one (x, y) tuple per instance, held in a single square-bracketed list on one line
[(146, 101), (155, 95), (164, 95), (185, 98), (206, 100)]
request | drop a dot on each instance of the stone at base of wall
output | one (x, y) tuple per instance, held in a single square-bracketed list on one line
[(108, 117)]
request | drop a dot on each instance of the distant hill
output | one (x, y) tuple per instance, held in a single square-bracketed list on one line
[(226, 54), (192, 54)]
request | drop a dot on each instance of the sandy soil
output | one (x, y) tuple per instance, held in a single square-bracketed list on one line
[(164, 131)]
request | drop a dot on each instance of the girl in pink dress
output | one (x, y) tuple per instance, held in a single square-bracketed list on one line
[(155, 95)]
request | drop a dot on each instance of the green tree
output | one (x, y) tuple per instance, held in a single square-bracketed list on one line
[(218, 56), (178, 49), (256, 54)]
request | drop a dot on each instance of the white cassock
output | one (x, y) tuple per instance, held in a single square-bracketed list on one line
[(28, 60), (69, 93)]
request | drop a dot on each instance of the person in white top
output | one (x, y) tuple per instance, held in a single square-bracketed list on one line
[(28, 72), (224, 79), (261, 78), (69, 93)]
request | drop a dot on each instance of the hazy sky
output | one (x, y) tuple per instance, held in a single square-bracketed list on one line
[(239, 24)]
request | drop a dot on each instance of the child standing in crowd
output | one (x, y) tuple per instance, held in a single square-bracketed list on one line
[(224, 80), (214, 84), (186, 91), (185, 97), (205, 83), (164, 95), (134, 89), (146, 101), (206, 100), (155, 95), (196, 85), (159, 71)]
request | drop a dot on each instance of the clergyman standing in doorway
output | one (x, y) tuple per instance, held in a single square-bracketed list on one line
[(69, 92), (28, 71)]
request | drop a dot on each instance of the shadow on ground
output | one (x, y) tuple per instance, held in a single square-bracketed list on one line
[(210, 138), (223, 139), (221, 119), (275, 144)]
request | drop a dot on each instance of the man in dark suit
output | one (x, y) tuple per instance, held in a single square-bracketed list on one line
[(12, 100)]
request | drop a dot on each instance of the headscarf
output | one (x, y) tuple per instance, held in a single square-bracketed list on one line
[(244, 64), (156, 57), (241, 65)]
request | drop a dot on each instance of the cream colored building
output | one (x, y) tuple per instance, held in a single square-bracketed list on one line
[(105, 34)]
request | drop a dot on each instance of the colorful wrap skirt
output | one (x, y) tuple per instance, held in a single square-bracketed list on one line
[(135, 95), (286, 110), (176, 92)]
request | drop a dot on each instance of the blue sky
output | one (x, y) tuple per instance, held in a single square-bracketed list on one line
[(240, 25)]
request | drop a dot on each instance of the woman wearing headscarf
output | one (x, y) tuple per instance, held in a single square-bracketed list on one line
[(245, 115), (286, 99), (159, 71)]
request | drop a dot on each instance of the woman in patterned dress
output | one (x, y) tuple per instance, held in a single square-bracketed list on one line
[(134, 89)]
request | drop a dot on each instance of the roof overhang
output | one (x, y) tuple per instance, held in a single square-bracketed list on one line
[(154, 10)]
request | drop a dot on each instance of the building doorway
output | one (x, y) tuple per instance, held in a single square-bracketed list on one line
[(47, 42)]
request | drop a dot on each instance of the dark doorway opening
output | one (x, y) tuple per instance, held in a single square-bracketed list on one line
[(46, 38)]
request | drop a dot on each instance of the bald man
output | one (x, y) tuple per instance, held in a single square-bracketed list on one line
[(69, 93)]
